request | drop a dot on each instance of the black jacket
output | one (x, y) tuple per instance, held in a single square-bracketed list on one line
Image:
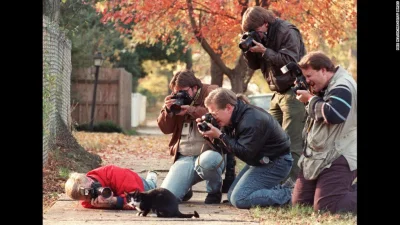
[(253, 134), (284, 44)]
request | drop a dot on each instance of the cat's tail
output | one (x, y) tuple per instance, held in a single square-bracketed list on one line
[(189, 215)]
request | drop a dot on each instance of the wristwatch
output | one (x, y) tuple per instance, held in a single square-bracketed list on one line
[(264, 160)]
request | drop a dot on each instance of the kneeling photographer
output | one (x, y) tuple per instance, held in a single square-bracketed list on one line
[(329, 160), (193, 161), (104, 187), (217, 145), (256, 138)]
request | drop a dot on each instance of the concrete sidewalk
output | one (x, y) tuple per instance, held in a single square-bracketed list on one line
[(69, 212), (150, 127)]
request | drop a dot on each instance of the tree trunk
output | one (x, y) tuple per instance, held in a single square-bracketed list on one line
[(236, 82), (217, 76), (241, 75), (218, 67), (188, 59)]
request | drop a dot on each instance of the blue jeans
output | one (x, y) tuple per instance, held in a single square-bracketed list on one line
[(188, 171), (260, 185), (148, 184)]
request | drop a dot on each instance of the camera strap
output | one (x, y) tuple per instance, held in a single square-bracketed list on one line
[(196, 97), (209, 143), (310, 122), (213, 148)]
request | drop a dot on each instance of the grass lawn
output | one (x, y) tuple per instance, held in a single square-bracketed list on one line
[(296, 214)]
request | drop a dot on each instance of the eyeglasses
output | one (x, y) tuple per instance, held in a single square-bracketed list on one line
[(214, 114)]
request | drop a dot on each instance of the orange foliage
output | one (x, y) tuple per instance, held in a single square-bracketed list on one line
[(219, 21)]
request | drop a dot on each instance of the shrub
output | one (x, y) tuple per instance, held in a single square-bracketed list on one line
[(131, 132), (103, 126), (151, 99)]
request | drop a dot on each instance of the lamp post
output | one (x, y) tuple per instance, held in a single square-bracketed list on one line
[(98, 60)]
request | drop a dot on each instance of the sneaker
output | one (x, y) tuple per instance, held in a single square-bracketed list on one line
[(213, 198), (188, 195), (152, 175), (289, 183)]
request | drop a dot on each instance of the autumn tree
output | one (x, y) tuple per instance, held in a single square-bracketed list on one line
[(81, 23), (215, 24)]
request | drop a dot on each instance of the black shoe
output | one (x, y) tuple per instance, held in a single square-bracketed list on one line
[(188, 195), (226, 184), (213, 198)]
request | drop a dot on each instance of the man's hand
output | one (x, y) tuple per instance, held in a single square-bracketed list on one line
[(101, 202), (212, 133), (303, 96), (183, 111), (168, 101), (258, 47)]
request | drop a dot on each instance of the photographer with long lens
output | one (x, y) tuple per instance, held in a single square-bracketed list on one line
[(329, 162), (105, 187), (268, 44), (193, 159), (256, 138)]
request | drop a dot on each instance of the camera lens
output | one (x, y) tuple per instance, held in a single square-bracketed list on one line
[(203, 126), (105, 192), (246, 44)]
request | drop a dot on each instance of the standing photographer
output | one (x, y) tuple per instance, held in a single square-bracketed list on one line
[(192, 159), (255, 137), (329, 162), (105, 187), (276, 43)]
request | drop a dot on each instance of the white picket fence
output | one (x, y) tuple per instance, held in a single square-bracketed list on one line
[(138, 109)]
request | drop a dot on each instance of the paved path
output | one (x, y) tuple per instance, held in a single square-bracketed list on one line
[(69, 212), (150, 128)]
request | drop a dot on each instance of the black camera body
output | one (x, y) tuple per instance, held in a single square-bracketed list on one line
[(207, 118), (95, 190), (248, 38), (182, 98), (301, 83)]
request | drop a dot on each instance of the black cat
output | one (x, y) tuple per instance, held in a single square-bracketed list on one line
[(160, 200)]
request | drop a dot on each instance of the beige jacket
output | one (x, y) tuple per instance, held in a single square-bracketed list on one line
[(327, 142)]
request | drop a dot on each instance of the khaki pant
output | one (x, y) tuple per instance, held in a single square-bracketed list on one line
[(290, 113)]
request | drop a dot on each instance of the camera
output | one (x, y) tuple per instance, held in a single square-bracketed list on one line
[(182, 98), (248, 38), (301, 83), (207, 118), (95, 190)]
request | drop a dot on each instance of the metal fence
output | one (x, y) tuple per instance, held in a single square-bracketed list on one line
[(56, 85)]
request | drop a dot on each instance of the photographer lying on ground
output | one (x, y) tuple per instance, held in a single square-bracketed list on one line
[(104, 187), (268, 44), (329, 161), (256, 138), (181, 108)]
